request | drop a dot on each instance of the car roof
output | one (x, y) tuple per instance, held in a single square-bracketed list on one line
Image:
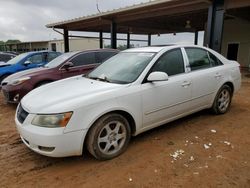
[(159, 48)]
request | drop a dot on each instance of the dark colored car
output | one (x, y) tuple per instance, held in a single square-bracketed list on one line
[(5, 56), (26, 61), (69, 64)]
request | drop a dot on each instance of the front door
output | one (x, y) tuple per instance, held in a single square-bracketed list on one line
[(166, 100)]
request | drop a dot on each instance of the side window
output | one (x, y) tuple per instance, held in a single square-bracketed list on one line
[(84, 59), (37, 58), (214, 60), (102, 56), (51, 56), (198, 58), (171, 63)]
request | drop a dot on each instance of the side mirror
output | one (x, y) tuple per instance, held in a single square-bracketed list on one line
[(27, 62), (67, 65), (157, 76)]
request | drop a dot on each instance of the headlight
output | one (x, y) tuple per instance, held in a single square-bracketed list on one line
[(19, 81), (52, 121)]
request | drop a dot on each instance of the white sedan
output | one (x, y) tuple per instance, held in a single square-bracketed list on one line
[(132, 92)]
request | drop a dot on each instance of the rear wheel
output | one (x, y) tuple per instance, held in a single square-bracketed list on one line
[(109, 136), (222, 100)]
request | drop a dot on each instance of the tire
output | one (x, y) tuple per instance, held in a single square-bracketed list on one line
[(222, 100), (109, 136)]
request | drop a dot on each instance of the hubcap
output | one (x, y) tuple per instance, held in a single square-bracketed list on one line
[(223, 100), (112, 137)]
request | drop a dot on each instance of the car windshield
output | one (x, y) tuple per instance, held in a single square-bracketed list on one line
[(17, 59), (60, 59), (122, 68)]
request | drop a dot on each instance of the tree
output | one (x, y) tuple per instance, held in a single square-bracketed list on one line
[(12, 41)]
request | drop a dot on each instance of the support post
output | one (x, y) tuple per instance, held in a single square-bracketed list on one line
[(128, 40), (149, 39), (101, 39), (113, 35), (215, 23), (196, 35), (66, 40)]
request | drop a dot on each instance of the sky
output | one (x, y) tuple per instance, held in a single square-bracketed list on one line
[(25, 20)]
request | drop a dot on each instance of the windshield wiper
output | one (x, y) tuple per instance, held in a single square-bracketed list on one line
[(105, 79)]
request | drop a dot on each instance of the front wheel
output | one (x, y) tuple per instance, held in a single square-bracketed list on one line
[(222, 100), (109, 136)]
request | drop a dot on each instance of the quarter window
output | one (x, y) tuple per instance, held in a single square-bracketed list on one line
[(84, 59), (171, 63), (214, 60)]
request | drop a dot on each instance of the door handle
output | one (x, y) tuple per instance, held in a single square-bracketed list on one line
[(186, 83)]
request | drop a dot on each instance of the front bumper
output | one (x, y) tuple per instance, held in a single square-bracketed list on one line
[(51, 142), (13, 94)]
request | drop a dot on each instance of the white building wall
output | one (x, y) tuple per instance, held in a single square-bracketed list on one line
[(237, 31), (76, 44)]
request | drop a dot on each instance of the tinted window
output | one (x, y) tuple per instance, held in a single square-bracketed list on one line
[(84, 59), (171, 63), (37, 58), (198, 58), (102, 56), (214, 60), (51, 56)]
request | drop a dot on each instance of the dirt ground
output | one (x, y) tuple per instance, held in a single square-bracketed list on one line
[(147, 161)]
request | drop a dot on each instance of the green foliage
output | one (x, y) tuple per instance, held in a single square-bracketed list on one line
[(12, 41)]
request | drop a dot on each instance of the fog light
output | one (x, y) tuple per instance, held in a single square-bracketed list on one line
[(16, 98), (46, 149)]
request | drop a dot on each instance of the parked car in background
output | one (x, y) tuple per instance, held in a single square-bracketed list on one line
[(69, 64), (132, 92), (26, 61), (4, 56)]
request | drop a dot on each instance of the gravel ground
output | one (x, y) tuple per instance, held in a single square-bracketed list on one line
[(201, 150)]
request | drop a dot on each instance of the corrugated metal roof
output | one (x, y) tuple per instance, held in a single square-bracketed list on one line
[(114, 11)]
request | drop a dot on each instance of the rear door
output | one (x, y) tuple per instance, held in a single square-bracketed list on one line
[(207, 74), (165, 100), (82, 64)]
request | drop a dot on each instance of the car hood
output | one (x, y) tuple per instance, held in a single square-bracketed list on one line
[(29, 72), (67, 95), (3, 64)]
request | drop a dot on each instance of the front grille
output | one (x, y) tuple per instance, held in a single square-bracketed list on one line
[(21, 114)]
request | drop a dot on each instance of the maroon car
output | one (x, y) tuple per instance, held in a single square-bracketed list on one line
[(66, 65)]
